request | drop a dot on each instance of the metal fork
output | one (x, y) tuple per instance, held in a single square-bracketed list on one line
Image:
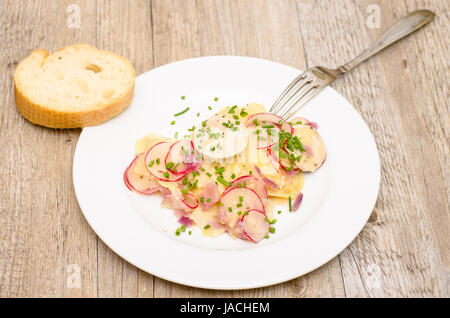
[(314, 79)]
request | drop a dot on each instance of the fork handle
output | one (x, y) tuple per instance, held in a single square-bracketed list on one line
[(403, 27)]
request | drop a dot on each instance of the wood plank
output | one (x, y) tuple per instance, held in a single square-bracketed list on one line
[(42, 229), (402, 94), (403, 250), (124, 27)]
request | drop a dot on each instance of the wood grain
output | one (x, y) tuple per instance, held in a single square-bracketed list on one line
[(402, 94)]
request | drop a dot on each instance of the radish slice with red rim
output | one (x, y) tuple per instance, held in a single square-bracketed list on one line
[(297, 202), (263, 119), (303, 121), (254, 225), (156, 154), (235, 201), (313, 153), (187, 202), (143, 184), (263, 138), (274, 160), (251, 182), (182, 157)]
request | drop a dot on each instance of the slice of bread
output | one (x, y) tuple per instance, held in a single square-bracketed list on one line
[(77, 86)]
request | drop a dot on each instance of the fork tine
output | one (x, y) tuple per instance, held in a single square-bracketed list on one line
[(275, 107), (292, 93), (299, 94), (302, 101)]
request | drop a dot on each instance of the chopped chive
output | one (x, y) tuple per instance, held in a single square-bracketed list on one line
[(231, 111), (255, 121), (208, 200), (190, 232), (233, 176), (172, 122), (279, 211), (268, 126), (207, 226), (241, 199), (290, 204), (220, 170), (183, 97), (272, 230), (158, 161), (184, 191), (209, 107), (222, 180), (198, 114), (182, 112), (216, 99), (166, 174), (202, 200), (209, 174), (239, 205), (236, 117), (230, 209), (176, 134), (178, 232), (204, 123), (267, 236), (151, 163), (169, 165), (183, 228)]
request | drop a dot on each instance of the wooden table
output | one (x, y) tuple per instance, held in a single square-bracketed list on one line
[(403, 94)]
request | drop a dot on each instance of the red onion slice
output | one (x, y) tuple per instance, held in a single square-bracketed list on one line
[(297, 202)]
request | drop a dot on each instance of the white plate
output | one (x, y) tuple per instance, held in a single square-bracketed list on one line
[(338, 198)]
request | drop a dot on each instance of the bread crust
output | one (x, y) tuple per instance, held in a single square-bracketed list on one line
[(49, 117)]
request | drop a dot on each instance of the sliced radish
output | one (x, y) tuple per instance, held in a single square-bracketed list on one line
[(187, 202), (303, 121), (210, 195), (314, 148), (143, 184), (254, 225), (156, 154), (182, 157), (284, 161), (236, 200), (251, 182), (268, 118), (273, 158)]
